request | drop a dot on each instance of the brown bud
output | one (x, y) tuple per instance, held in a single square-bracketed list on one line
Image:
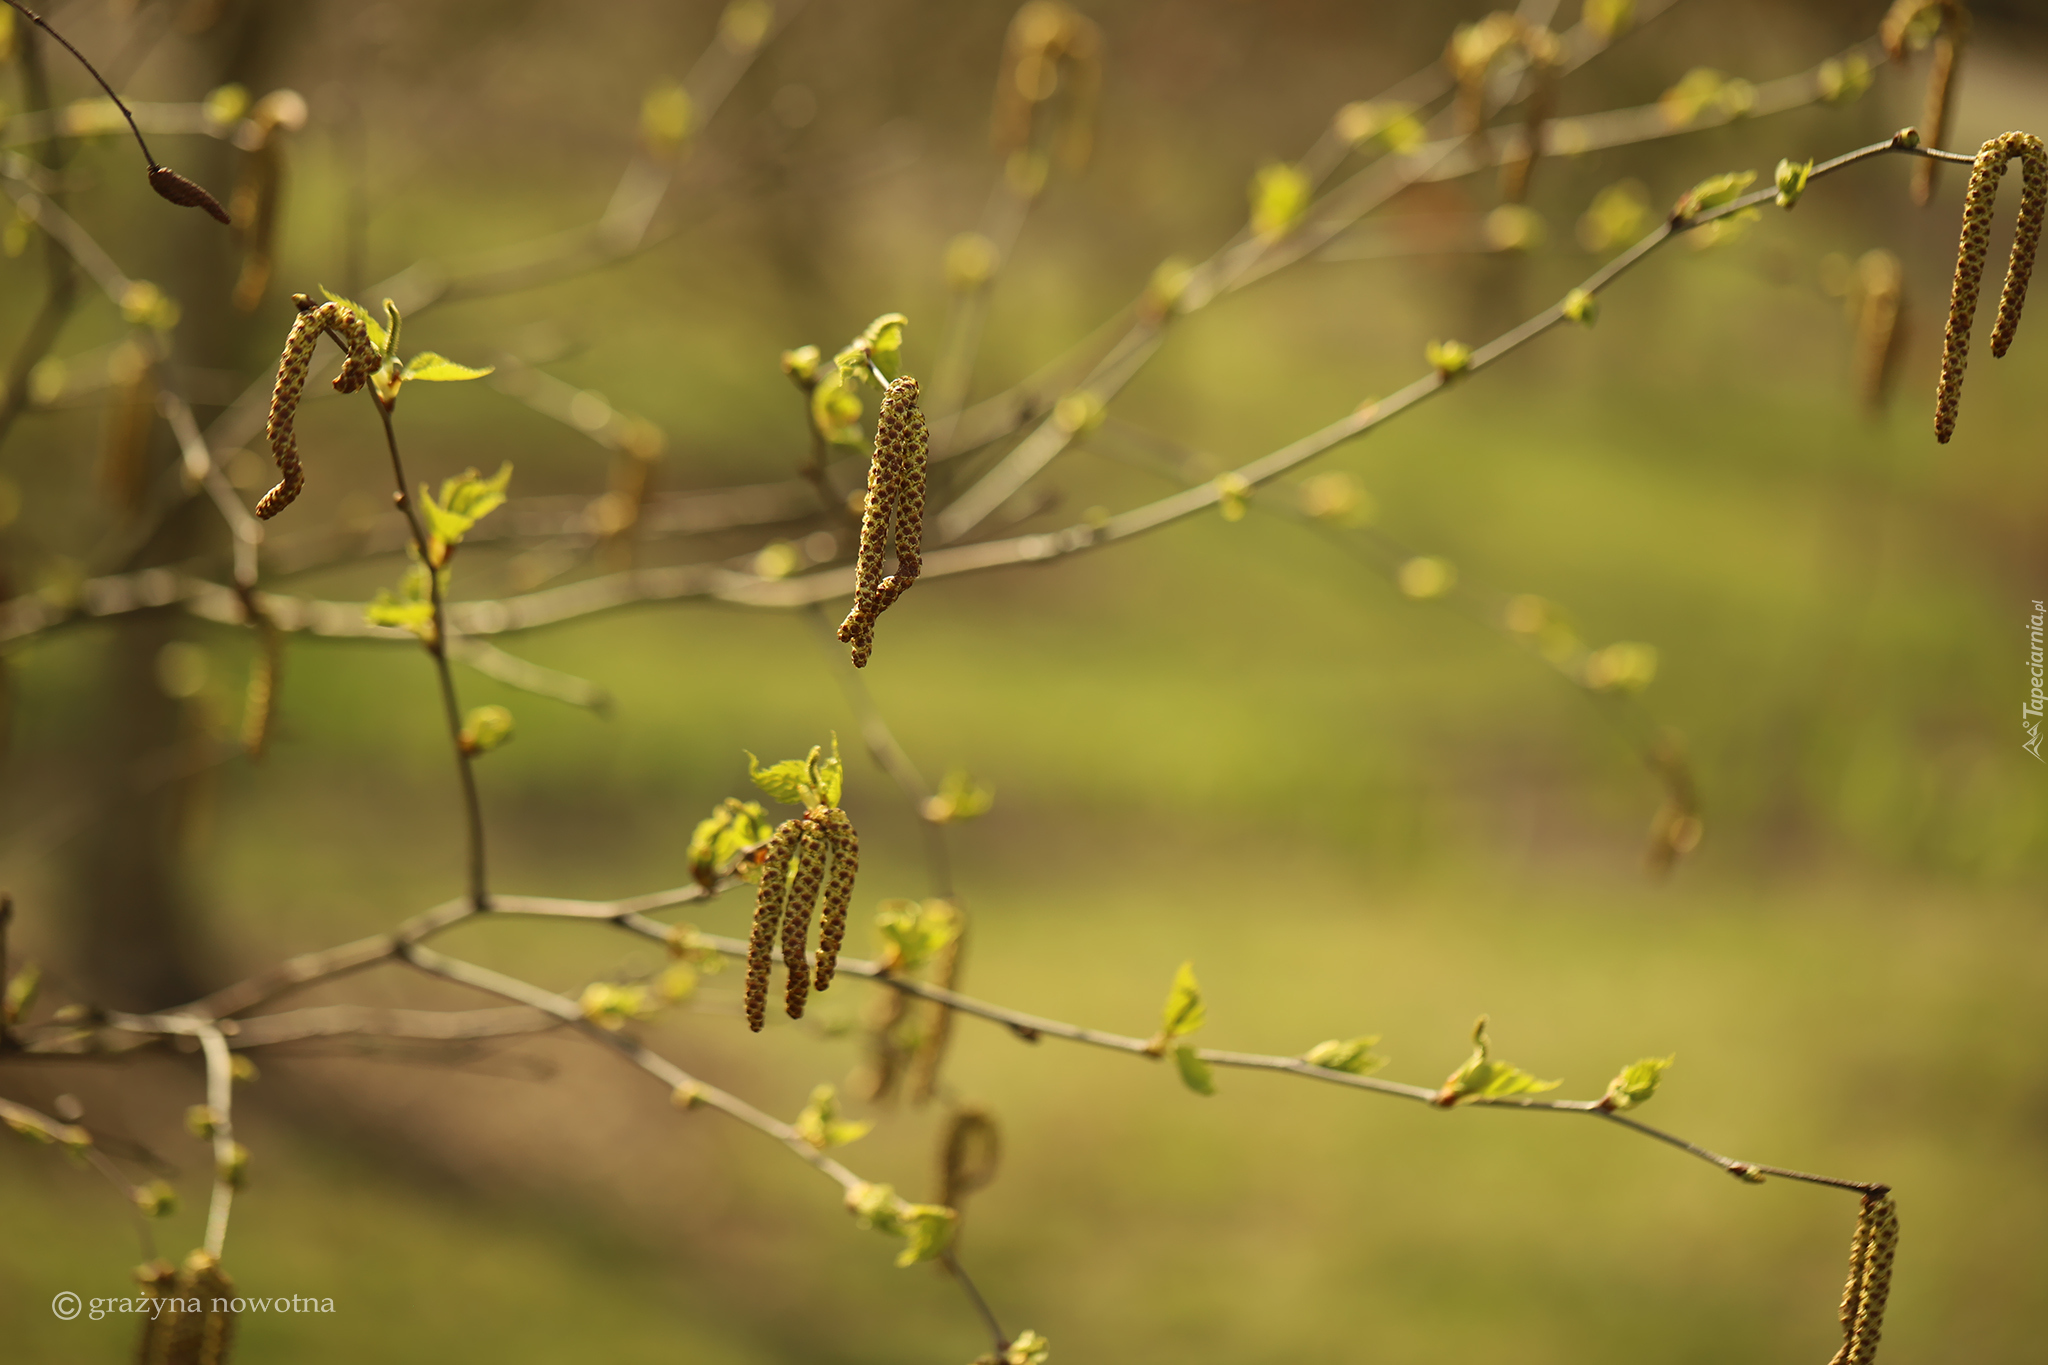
[(183, 192)]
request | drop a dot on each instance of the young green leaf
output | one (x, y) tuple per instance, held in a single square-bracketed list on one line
[(1194, 1072), (1712, 193), (21, 994), (721, 837), (836, 411), (1636, 1083), (1448, 357), (1184, 1010), (412, 609), (913, 933), (1481, 1081), (1792, 178), (1354, 1055), (1028, 1349), (815, 780), (439, 369), (959, 797), (927, 1231), (465, 500), (1280, 196), (612, 1007), (821, 1126), (485, 728), (883, 341), (926, 1228)]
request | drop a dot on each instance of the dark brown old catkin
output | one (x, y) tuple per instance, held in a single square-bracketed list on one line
[(811, 857), (838, 895), (1871, 1252), (896, 481), (359, 361), (184, 193), (1973, 246), (768, 918), (1941, 84)]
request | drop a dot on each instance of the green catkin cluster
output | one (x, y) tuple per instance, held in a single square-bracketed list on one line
[(816, 852), (1974, 245), (1871, 1252), (360, 360), (895, 490)]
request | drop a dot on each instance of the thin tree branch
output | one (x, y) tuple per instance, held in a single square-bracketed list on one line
[(465, 761)]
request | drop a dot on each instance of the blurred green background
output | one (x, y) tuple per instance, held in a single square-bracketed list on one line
[(1231, 742)]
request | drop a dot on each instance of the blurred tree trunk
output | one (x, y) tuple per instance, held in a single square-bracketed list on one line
[(132, 922)]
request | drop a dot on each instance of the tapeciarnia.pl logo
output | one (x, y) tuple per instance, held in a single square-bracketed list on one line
[(2030, 712)]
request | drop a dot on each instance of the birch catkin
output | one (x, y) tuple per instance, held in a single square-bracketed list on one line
[(768, 918), (838, 896), (896, 481), (1971, 249), (811, 856), (1941, 83), (360, 359), (1871, 1252)]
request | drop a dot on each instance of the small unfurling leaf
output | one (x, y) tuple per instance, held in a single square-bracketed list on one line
[(1636, 1083), (1195, 1073), (820, 1124), (1184, 1011), (1354, 1055), (1481, 1080)]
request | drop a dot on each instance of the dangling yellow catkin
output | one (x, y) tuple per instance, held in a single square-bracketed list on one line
[(156, 1280), (1972, 247), (896, 481), (259, 708), (838, 895), (200, 1328), (767, 918), (354, 339), (1941, 83), (1877, 325), (1871, 1252), (812, 854)]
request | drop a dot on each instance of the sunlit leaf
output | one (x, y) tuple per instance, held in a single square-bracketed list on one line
[(1354, 1055), (820, 1124), (1184, 1011), (439, 369), (1481, 1080), (1636, 1083), (1194, 1072)]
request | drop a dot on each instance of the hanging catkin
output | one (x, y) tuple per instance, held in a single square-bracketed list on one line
[(1871, 1251), (1972, 247), (768, 918), (838, 895), (811, 856), (895, 492), (348, 332)]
